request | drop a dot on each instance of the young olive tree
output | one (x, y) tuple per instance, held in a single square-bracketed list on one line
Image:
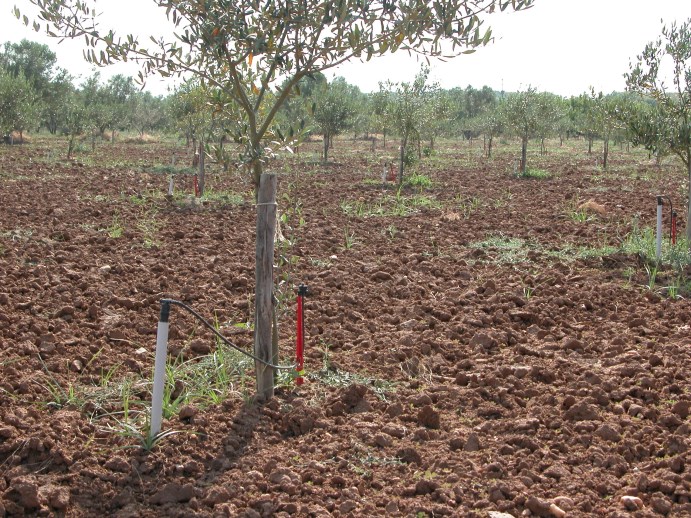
[(522, 118), (605, 116), (491, 124), (410, 108), (243, 47), (550, 109), (643, 123), (334, 110), (674, 104), (19, 105), (381, 121)]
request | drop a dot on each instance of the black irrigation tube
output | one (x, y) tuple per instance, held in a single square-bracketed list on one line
[(223, 338)]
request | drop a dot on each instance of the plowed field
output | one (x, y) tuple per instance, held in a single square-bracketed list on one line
[(482, 345)]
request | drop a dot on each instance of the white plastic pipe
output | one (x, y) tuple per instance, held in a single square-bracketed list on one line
[(159, 371), (658, 248)]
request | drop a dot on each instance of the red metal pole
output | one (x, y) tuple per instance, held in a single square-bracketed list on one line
[(300, 345)]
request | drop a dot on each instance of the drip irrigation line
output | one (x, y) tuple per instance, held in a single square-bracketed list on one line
[(223, 338)]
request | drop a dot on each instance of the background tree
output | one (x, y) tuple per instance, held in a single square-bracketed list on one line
[(189, 111), (674, 106), (439, 114), (37, 64), (295, 114), (491, 124), (334, 109), (121, 97), (19, 106), (54, 101), (644, 125), (99, 112), (466, 105), (381, 119), (605, 116), (582, 114), (522, 119), (145, 112), (410, 108), (33, 60), (76, 120), (549, 110)]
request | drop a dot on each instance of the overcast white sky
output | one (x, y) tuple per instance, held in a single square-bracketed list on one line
[(560, 46)]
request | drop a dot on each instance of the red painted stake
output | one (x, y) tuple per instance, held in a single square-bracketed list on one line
[(196, 186), (392, 173), (300, 345)]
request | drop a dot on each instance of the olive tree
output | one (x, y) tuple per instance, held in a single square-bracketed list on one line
[(36, 63), (491, 124), (605, 116), (19, 104), (521, 116), (410, 107), (673, 104), (334, 110)]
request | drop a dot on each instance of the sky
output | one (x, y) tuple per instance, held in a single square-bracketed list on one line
[(560, 46)]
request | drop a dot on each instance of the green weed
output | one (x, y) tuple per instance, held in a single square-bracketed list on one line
[(538, 174), (419, 181), (116, 229), (349, 238)]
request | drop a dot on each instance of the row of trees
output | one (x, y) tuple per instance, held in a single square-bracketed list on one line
[(420, 111), (35, 93)]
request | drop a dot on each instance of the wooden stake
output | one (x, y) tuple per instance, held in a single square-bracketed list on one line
[(266, 227), (201, 167)]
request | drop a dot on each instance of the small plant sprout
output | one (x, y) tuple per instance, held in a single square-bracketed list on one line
[(652, 276), (579, 216), (673, 289), (349, 238), (391, 231), (528, 292)]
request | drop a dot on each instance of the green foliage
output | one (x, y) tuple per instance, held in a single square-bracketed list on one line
[(468, 107), (670, 128), (410, 108), (419, 181), (36, 63), (19, 106), (530, 114), (334, 109), (399, 205), (539, 174)]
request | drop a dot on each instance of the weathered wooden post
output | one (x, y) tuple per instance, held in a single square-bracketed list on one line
[(266, 228), (201, 167)]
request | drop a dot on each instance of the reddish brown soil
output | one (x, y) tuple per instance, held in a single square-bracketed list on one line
[(446, 376)]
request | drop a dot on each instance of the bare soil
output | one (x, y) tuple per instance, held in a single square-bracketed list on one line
[(477, 347)]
